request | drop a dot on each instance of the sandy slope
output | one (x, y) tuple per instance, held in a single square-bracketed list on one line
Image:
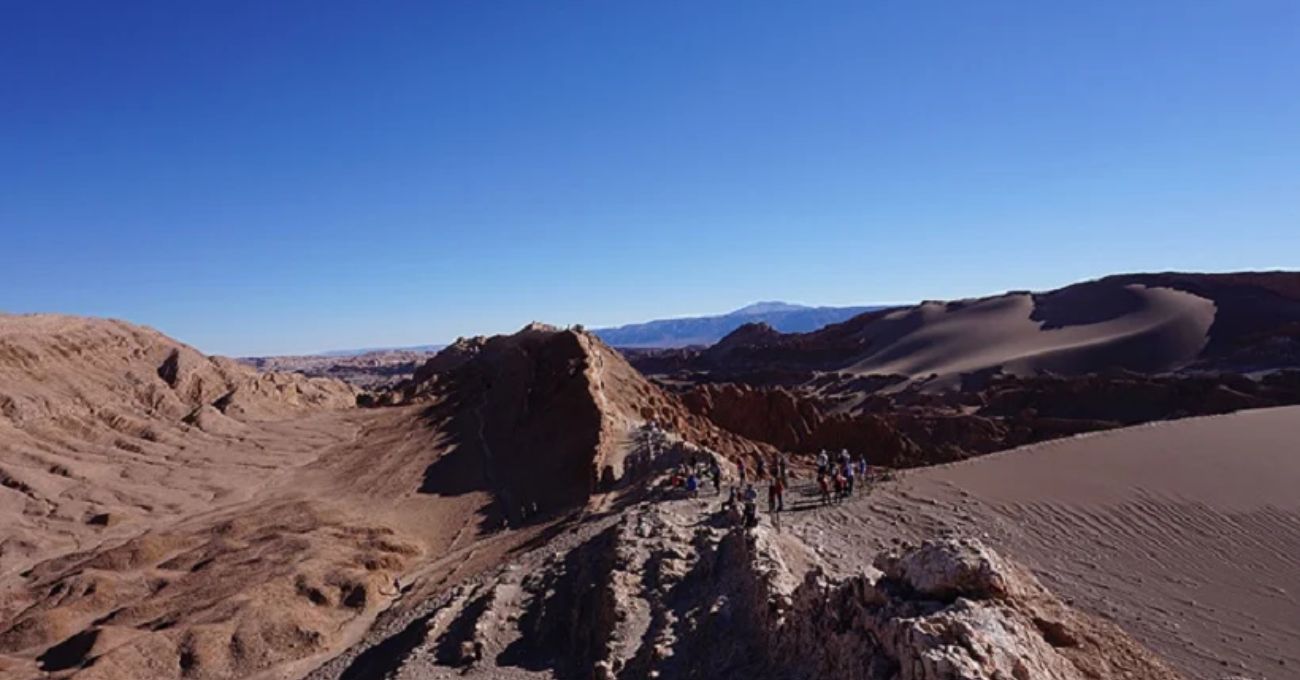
[(1188, 533), (1185, 533), (1165, 329)]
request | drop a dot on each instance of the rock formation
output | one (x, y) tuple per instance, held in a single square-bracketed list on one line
[(657, 594), (912, 427)]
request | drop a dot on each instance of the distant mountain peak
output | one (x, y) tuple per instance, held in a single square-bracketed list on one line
[(767, 307), (706, 330)]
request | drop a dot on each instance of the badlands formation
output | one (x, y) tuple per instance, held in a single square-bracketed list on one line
[(505, 511)]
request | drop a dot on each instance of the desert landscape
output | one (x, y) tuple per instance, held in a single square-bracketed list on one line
[(1091, 482), (723, 340)]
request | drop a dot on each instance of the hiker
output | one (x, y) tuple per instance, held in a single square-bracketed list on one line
[(715, 471), (693, 485), (751, 506), (848, 478), (731, 506), (776, 495), (823, 463), (740, 466), (825, 484), (762, 468), (781, 466)]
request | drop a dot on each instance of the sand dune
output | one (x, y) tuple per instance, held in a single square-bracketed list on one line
[(1149, 323), (1164, 330), (1185, 533)]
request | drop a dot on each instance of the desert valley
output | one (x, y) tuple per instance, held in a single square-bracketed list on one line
[(1092, 482)]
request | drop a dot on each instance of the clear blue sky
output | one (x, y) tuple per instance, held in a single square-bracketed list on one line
[(270, 177)]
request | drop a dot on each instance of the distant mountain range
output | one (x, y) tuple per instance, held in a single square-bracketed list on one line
[(370, 350), (706, 330), (686, 331)]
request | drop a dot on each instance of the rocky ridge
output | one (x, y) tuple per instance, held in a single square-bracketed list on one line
[(661, 591)]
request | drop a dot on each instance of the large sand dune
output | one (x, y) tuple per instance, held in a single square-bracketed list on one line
[(1163, 329), (1148, 323)]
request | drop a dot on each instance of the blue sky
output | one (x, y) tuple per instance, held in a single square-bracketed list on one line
[(273, 177)]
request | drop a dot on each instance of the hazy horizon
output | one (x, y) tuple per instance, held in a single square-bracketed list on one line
[(260, 179)]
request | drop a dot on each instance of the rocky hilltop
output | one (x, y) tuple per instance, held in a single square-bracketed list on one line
[(549, 413)]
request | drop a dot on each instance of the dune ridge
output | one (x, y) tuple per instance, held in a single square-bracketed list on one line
[(1149, 323)]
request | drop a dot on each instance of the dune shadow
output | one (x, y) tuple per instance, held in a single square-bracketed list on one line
[(1084, 304)]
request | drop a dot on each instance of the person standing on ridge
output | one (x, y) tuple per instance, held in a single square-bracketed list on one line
[(751, 506)]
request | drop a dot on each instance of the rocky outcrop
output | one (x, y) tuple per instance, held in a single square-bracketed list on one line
[(953, 610), (773, 415), (915, 427), (546, 413), (447, 360), (658, 594), (791, 422)]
